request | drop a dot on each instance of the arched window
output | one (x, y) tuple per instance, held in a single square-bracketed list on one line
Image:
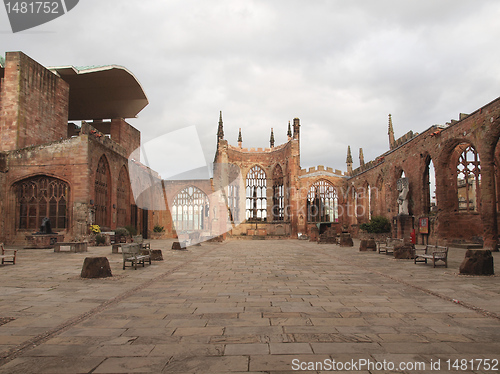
[(190, 210), (278, 194), (122, 198), (322, 202), (40, 197), (430, 202), (256, 198), (102, 194), (468, 179)]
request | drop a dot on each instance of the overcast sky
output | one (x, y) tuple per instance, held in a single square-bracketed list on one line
[(340, 66)]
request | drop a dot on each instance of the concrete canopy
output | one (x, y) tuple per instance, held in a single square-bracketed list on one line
[(102, 92)]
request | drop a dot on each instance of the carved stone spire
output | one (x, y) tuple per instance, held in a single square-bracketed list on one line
[(289, 133), (220, 132), (349, 160), (391, 133), (240, 139), (271, 140), (361, 157)]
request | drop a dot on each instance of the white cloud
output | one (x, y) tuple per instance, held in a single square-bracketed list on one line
[(340, 66)]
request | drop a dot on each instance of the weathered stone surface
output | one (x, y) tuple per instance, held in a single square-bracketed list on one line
[(96, 267), (367, 245), (477, 262), (404, 251), (346, 240), (178, 245), (156, 255), (329, 236)]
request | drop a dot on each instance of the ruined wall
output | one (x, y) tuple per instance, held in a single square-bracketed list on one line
[(65, 160), (306, 180), (34, 104), (481, 129)]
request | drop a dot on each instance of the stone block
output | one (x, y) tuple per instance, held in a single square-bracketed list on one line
[(156, 255), (367, 245), (477, 262), (404, 251), (96, 267)]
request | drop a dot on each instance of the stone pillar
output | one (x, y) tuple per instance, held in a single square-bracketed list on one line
[(488, 203), (404, 226)]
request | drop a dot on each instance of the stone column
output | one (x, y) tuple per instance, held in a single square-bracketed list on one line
[(488, 202)]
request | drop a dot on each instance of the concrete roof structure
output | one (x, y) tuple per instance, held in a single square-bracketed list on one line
[(102, 92)]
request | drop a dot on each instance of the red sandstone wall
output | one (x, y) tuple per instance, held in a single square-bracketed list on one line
[(482, 130), (66, 160), (34, 103)]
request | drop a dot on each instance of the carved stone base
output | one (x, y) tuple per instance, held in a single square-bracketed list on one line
[(96, 267), (367, 245), (404, 251), (346, 240), (156, 255), (477, 262)]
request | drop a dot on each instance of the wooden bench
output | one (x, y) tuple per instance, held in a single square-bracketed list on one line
[(139, 239), (388, 246), (135, 254), (8, 255), (434, 253)]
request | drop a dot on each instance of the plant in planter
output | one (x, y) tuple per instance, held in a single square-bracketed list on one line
[(100, 239), (95, 229), (158, 229), (121, 234), (131, 230)]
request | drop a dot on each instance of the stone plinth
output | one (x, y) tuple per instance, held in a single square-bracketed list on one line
[(42, 241), (178, 245), (346, 240), (404, 251), (403, 226), (367, 245), (96, 267), (477, 262), (156, 255), (314, 234)]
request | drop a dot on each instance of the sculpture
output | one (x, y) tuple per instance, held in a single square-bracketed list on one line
[(403, 189)]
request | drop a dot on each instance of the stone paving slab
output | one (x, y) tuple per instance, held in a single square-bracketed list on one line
[(243, 306)]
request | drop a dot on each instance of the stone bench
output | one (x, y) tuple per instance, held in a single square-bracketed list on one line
[(73, 246), (134, 254), (434, 253), (8, 255)]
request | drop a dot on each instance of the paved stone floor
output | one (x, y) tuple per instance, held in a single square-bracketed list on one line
[(258, 306)]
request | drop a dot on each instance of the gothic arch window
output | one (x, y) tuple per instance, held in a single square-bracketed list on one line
[(122, 198), (278, 194), (322, 202), (430, 202), (39, 197), (102, 193), (468, 179), (256, 198), (190, 210)]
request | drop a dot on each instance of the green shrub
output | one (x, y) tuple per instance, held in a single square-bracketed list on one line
[(131, 230), (121, 231), (100, 239), (158, 228), (377, 225)]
